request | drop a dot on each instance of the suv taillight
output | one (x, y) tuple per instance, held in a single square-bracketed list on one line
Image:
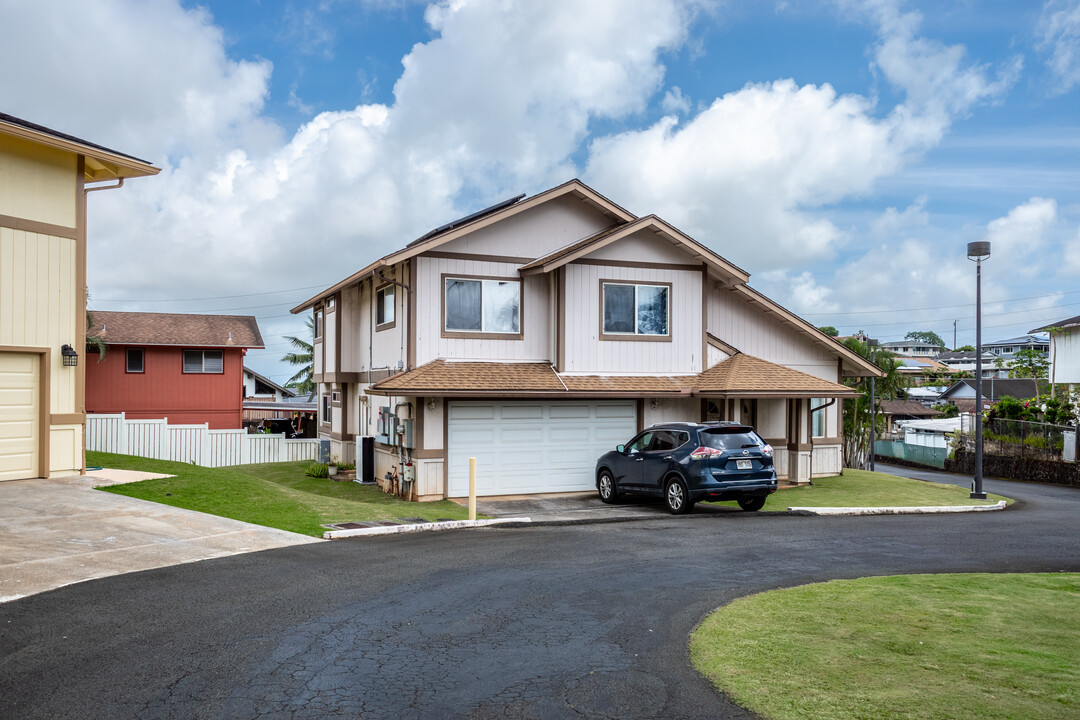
[(703, 452), (767, 450)]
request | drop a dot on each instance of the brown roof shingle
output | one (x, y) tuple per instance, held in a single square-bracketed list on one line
[(137, 328), (740, 375)]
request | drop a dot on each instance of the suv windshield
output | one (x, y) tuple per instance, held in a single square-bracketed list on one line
[(728, 439)]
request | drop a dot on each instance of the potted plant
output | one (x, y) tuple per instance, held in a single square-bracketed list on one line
[(332, 467)]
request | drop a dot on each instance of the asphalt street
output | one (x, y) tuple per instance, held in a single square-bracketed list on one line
[(534, 622)]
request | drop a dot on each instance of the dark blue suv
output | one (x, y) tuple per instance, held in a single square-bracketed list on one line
[(688, 462)]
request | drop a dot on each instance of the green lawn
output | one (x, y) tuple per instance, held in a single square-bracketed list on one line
[(939, 647), (861, 488), (277, 495)]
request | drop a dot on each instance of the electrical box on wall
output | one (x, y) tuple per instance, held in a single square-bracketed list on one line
[(406, 432)]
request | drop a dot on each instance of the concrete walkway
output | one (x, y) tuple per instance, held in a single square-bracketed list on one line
[(61, 531)]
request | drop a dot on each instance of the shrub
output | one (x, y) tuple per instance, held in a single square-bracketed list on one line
[(317, 470), (346, 466)]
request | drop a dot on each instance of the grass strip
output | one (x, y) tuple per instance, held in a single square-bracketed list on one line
[(276, 495), (951, 646), (861, 488)]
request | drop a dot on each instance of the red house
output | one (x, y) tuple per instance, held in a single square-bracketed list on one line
[(187, 368)]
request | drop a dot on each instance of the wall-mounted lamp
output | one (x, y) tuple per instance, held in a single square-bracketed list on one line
[(431, 404), (71, 358), (652, 403)]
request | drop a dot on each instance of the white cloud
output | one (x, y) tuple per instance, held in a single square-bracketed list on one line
[(675, 102), (1017, 240), (747, 173), (1059, 37)]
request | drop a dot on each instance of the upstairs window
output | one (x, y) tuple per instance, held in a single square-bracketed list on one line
[(482, 306), (633, 309), (204, 361), (318, 323), (134, 360), (384, 307)]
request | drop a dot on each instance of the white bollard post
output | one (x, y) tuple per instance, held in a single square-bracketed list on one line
[(472, 488)]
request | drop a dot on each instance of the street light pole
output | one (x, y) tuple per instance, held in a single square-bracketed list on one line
[(873, 413), (977, 252)]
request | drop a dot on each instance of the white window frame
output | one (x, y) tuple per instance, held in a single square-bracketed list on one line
[(381, 294), (202, 362), (318, 320), (606, 334), (816, 403), (483, 332)]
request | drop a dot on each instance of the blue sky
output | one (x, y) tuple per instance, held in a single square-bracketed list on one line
[(842, 152)]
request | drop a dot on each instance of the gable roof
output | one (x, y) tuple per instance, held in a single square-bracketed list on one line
[(738, 376), (606, 237), (263, 379), (1066, 323), (997, 388), (908, 407), (102, 162), (464, 226), (137, 328)]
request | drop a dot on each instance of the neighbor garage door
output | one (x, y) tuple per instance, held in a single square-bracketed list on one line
[(18, 415), (533, 447)]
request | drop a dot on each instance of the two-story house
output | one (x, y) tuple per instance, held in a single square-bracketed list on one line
[(541, 332), (45, 177), (183, 367), (912, 348)]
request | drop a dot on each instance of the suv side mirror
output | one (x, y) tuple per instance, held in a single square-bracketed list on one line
[(620, 448)]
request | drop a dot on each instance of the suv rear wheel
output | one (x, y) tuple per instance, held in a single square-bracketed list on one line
[(677, 497), (750, 504)]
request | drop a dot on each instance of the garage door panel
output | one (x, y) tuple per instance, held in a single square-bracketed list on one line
[(534, 446), (19, 412)]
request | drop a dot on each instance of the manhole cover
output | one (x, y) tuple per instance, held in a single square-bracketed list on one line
[(620, 694)]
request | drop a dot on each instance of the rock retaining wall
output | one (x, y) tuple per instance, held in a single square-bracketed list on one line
[(1014, 468)]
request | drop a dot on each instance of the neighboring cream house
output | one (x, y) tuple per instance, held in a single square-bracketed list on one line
[(1064, 348), (539, 333), (43, 191)]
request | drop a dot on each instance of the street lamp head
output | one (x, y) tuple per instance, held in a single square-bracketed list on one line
[(978, 250)]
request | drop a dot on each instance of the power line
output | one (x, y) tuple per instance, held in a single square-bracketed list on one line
[(220, 297), (940, 307), (949, 320)]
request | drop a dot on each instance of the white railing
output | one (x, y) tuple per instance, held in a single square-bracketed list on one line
[(197, 444)]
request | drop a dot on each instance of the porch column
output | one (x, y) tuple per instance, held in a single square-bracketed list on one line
[(799, 448)]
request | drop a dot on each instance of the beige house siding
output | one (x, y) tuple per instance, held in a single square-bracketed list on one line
[(37, 183), (535, 314), (535, 232), (587, 354)]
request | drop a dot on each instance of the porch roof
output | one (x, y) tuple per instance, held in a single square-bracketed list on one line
[(738, 376)]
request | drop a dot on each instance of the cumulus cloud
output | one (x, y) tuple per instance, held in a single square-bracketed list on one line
[(1059, 38), (749, 170), (1018, 239)]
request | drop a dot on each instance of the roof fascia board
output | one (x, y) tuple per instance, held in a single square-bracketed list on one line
[(192, 346), (137, 169), (458, 232), (812, 332)]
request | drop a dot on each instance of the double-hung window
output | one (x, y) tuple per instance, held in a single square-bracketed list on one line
[(634, 310), (204, 361), (482, 305), (384, 307)]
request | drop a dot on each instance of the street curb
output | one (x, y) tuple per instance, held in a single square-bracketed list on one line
[(426, 527), (925, 510)]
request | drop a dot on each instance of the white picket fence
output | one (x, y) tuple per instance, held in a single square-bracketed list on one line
[(196, 444)]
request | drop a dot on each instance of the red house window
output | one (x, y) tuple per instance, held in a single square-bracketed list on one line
[(204, 361), (135, 360)]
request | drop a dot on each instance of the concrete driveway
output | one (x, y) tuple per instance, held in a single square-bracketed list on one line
[(61, 531)]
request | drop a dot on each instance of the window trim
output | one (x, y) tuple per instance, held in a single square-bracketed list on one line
[(635, 337), (480, 334), (824, 417), (142, 361), (335, 398), (204, 371), (379, 327), (318, 317), (325, 410)]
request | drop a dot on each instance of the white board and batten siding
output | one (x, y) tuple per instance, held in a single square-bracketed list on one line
[(535, 315), (195, 444), (587, 354), (533, 446)]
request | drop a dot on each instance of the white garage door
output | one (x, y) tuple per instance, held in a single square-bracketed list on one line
[(18, 415), (533, 447)]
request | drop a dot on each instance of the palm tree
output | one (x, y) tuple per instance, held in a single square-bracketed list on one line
[(93, 342), (304, 380), (857, 440)]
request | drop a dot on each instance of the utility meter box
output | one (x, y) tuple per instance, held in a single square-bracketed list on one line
[(408, 473), (405, 429)]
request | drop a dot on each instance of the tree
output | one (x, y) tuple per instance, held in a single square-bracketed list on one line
[(304, 380), (94, 342), (829, 330), (925, 336), (965, 348), (1029, 363), (857, 411), (947, 409)]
